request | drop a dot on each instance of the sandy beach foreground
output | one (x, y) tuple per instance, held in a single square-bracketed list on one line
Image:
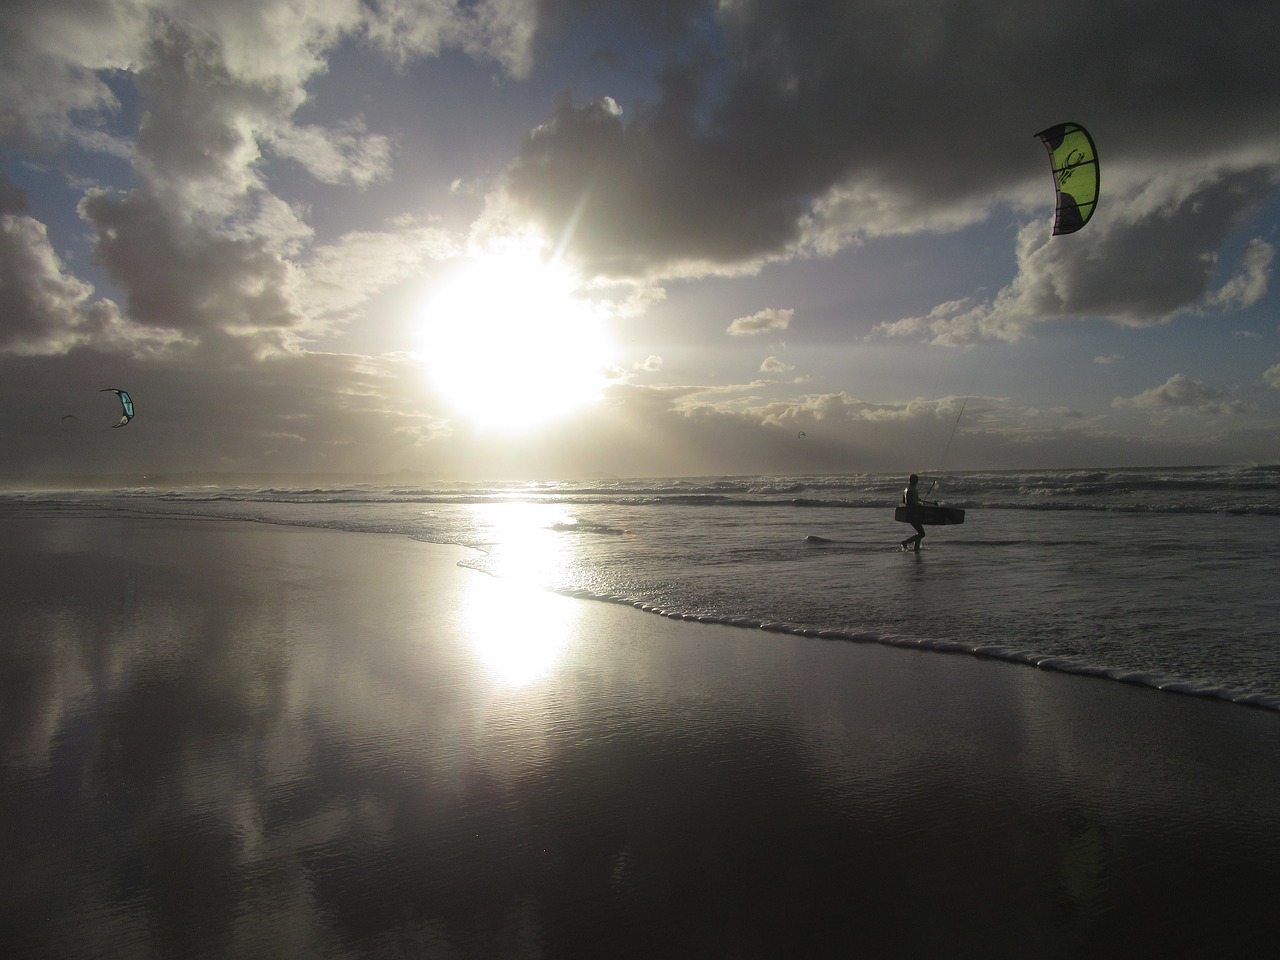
[(234, 740)]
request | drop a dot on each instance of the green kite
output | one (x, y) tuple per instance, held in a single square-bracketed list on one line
[(1076, 179)]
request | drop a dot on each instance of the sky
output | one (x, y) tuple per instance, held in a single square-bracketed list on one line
[(534, 239)]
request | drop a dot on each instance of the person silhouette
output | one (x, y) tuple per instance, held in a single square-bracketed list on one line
[(911, 500)]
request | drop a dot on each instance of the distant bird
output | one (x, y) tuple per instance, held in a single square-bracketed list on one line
[(800, 434)]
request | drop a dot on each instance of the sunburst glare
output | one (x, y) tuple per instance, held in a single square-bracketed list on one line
[(510, 342)]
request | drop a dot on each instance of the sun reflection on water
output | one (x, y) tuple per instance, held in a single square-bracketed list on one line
[(517, 627), (523, 544), (519, 632)]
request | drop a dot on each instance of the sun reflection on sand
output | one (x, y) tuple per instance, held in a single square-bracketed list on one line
[(518, 632)]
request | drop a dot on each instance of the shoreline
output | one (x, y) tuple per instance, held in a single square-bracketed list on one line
[(1160, 650), (253, 738), (997, 652)]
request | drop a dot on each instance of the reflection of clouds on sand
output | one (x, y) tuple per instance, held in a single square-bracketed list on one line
[(154, 678), (309, 743)]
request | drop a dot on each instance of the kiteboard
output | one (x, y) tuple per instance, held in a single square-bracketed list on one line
[(929, 515)]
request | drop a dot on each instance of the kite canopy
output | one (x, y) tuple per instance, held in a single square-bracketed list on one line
[(126, 405), (1074, 160)]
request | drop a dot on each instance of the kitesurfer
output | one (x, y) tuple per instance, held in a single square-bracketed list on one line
[(911, 500)]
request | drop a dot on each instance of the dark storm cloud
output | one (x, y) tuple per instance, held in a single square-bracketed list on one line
[(655, 20), (41, 304), (200, 117), (184, 277), (1154, 263), (818, 123), (45, 309)]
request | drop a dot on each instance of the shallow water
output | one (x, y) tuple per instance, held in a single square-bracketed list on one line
[(1157, 577)]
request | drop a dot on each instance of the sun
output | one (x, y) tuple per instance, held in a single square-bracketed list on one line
[(510, 343)]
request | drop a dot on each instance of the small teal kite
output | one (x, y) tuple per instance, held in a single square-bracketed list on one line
[(126, 405)]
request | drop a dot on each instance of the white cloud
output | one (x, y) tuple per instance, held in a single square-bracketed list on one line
[(501, 30), (50, 58), (347, 154), (951, 322), (341, 276), (1150, 256), (774, 365), (1107, 359), (1182, 394), (1249, 285), (1271, 377), (852, 211), (762, 321)]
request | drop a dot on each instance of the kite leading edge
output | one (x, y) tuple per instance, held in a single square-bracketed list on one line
[(1076, 179), (126, 405)]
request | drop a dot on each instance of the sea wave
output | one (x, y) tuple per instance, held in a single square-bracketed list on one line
[(992, 651)]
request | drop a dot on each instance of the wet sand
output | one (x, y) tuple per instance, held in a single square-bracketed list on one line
[(236, 740)]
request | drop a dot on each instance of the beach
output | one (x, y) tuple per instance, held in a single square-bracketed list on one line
[(237, 739)]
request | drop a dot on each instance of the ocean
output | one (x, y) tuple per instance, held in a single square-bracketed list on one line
[(1159, 577)]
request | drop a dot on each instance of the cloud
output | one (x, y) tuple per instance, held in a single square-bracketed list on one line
[(501, 30), (755, 131), (1249, 285), (650, 364), (201, 247), (774, 365), (941, 323), (762, 321), (1271, 377), (180, 276), (340, 277), (55, 58), (787, 129), (1183, 395), (347, 154), (50, 58), (46, 310), (219, 271), (1150, 257), (1108, 358)]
